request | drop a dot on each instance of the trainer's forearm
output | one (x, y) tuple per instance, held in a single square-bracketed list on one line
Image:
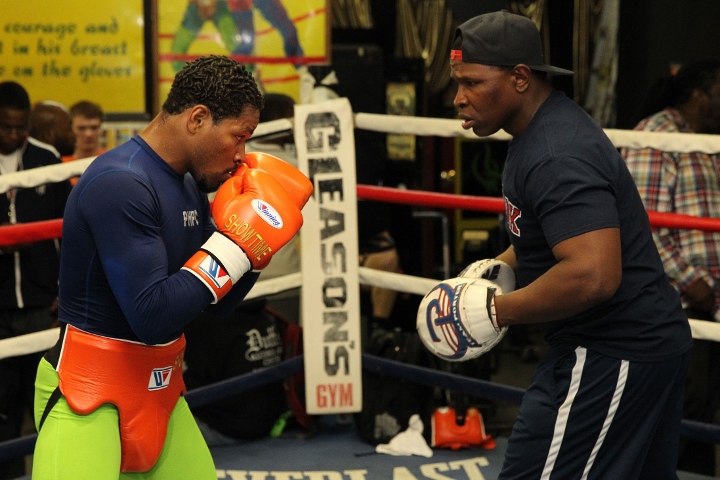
[(560, 293)]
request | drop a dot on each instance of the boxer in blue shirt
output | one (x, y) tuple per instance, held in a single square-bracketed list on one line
[(141, 258)]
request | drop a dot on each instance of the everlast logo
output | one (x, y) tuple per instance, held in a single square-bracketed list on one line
[(323, 136), (249, 238)]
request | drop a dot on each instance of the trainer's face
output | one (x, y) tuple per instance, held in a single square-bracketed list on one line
[(485, 96), (13, 129), (220, 148)]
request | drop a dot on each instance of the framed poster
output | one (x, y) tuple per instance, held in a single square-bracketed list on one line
[(272, 37), (73, 50)]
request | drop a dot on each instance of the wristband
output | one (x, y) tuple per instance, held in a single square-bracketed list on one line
[(233, 258), (219, 264)]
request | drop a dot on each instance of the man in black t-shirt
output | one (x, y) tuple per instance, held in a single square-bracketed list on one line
[(606, 401)]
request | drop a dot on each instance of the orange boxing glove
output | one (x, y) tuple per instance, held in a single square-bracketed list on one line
[(254, 212), (295, 182), (257, 214)]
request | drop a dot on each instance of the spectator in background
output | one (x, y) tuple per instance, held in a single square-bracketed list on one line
[(378, 251), (86, 121), (50, 123), (28, 273), (687, 183)]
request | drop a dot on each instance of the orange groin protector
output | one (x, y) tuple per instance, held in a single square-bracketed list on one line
[(143, 381)]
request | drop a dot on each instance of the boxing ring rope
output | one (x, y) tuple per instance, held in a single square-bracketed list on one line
[(425, 376), (40, 341), (49, 229)]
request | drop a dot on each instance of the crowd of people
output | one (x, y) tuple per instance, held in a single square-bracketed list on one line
[(611, 295)]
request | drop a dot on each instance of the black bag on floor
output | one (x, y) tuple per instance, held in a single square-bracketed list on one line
[(219, 348), (389, 402)]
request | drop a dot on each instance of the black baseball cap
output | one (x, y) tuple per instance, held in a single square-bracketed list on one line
[(502, 39)]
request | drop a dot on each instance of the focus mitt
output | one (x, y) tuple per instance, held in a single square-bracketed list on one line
[(456, 320), (497, 271)]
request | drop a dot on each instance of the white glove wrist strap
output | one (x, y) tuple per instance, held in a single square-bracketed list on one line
[(231, 256), (493, 313)]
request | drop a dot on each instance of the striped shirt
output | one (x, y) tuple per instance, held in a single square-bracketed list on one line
[(684, 183)]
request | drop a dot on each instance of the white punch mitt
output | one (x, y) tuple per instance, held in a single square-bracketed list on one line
[(497, 271), (457, 320)]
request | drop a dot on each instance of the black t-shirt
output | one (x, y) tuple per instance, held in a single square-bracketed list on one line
[(563, 177)]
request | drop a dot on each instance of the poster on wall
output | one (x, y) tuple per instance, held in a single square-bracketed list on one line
[(274, 38), (74, 50)]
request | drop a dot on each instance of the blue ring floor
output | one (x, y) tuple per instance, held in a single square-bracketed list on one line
[(336, 452)]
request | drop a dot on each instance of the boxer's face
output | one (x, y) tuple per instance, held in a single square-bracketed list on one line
[(219, 147), (485, 98)]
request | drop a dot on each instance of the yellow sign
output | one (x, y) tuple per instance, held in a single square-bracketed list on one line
[(73, 50), (272, 37)]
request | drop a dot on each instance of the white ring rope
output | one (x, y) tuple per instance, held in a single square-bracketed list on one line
[(437, 127), (674, 142), (57, 173), (40, 176), (41, 341)]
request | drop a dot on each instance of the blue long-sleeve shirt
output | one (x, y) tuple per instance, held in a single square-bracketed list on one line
[(130, 224)]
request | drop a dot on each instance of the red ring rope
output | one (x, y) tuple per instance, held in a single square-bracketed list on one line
[(49, 229), (431, 199), (30, 232)]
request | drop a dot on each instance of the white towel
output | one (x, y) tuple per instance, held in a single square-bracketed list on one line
[(409, 442)]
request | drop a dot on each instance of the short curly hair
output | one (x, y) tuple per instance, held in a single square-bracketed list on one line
[(87, 109), (223, 85), (14, 96)]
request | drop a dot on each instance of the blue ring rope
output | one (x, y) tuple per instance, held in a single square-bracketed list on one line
[(426, 376)]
